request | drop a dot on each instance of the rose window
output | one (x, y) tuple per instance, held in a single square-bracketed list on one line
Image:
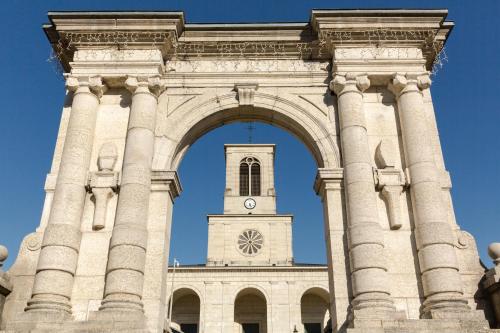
[(250, 242)]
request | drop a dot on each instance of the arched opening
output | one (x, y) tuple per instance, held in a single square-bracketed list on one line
[(249, 176), (187, 125), (250, 311), (185, 130), (203, 191), (186, 311), (244, 178), (314, 310)]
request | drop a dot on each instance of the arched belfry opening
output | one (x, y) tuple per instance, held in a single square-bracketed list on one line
[(250, 311), (249, 176)]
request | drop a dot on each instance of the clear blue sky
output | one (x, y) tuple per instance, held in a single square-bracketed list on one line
[(465, 94)]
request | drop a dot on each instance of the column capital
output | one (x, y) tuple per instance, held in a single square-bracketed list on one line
[(89, 84), (330, 179), (402, 83), (151, 84), (166, 181), (342, 83)]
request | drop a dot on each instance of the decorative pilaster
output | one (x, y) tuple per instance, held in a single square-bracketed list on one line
[(434, 236), (370, 284), (61, 241), (127, 250), (329, 185), (165, 187)]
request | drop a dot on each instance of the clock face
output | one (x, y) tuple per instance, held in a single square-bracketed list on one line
[(250, 203)]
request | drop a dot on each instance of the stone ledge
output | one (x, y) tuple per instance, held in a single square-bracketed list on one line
[(423, 326)]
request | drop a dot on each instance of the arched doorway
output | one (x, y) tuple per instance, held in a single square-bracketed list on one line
[(314, 310), (186, 311), (250, 311)]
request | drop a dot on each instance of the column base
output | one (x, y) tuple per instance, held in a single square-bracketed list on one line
[(49, 304), (121, 306), (446, 309)]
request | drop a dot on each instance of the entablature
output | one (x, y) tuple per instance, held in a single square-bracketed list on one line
[(327, 32)]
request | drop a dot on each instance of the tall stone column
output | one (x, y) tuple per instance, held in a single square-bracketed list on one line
[(61, 241), (369, 279), (127, 249), (434, 235)]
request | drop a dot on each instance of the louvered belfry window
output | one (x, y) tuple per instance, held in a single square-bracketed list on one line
[(249, 177), (255, 178), (244, 179)]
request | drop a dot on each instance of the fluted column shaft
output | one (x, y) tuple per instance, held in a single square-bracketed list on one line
[(435, 238), (127, 250), (366, 238), (61, 241)]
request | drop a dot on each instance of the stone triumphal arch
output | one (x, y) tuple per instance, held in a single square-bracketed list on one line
[(352, 85)]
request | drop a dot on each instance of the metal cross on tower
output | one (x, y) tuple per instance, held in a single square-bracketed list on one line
[(250, 129)]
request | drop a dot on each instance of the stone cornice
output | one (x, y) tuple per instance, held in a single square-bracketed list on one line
[(166, 181), (234, 269), (71, 31), (327, 29), (423, 29), (328, 179)]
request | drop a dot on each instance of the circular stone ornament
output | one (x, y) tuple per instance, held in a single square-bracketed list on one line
[(250, 242)]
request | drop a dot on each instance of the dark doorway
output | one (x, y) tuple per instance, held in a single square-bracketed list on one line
[(250, 328), (189, 328), (312, 327)]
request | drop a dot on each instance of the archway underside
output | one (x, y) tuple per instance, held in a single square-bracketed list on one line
[(185, 126)]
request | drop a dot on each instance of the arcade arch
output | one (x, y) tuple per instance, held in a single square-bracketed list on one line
[(250, 311), (186, 310), (314, 310)]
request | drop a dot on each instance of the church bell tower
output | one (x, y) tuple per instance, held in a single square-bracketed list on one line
[(250, 232)]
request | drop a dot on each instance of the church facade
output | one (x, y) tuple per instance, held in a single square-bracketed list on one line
[(250, 272), (353, 85)]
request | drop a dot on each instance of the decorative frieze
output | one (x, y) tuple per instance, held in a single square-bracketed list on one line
[(116, 55), (373, 53), (245, 65)]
